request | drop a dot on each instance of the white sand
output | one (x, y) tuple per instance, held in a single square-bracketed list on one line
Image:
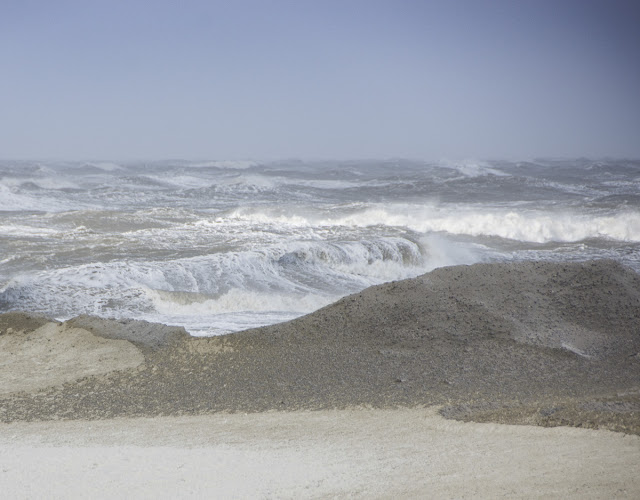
[(54, 354), (355, 453)]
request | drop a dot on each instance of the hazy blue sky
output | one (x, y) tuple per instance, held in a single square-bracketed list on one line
[(319, 79)]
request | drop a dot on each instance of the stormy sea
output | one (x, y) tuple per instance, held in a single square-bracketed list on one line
[(222, 246)]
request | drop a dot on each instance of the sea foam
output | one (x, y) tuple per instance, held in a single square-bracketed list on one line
[(218, 246)]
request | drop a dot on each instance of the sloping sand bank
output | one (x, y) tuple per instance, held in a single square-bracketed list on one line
[(404, 453), (538, 343), (53, 354)]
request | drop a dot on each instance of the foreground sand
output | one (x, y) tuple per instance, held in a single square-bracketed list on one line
[(104, 408), (360, 453)]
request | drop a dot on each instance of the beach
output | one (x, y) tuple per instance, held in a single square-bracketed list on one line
[(358, 453), (373, 395), (320, 250)]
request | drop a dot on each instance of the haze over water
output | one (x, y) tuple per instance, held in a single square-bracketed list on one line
[(223, 246)]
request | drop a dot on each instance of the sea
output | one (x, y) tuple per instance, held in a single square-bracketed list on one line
[(222, 246)]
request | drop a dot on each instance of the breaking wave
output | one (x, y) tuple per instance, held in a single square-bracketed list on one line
[(525, 225)]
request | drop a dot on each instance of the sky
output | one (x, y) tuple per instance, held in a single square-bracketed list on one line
[(348, 79)]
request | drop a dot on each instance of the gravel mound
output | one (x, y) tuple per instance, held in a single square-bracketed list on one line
[(537, 343)]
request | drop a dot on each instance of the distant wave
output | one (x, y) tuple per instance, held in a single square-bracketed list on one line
[(525, 225)]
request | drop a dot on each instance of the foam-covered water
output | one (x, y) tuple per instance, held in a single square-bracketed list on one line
[(221, 246)]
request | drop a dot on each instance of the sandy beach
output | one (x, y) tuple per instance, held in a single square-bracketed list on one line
[(360, 453), (372, 396)]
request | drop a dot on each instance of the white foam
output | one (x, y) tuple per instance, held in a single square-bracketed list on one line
[(271, 215), (27, 231), (106, 166), (325, 183), (471, 168), (236, 300), (12, 201), (225, 164), (538, 227), (180, 181), (51, 183), (290, 279), (8, 258), (442, 252), (251, 182), (522, 225)]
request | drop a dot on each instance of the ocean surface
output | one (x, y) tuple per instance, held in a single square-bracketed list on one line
[(219, 246)]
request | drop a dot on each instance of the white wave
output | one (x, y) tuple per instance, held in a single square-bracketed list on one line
[(383, 260), (541, 227), (631, 183), (27, 231), (231, 291), (292, 277), (180, 181), (11, 182), (235, 300), (8, 258), (326, 183), (474, 168), (442, 252), (525, 225), (106, 166), (51, 183), (271, 215), (229, 183), (233, 311), (207, 325), (251, 182), (226, 164), (531, 226), (12, 201)]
